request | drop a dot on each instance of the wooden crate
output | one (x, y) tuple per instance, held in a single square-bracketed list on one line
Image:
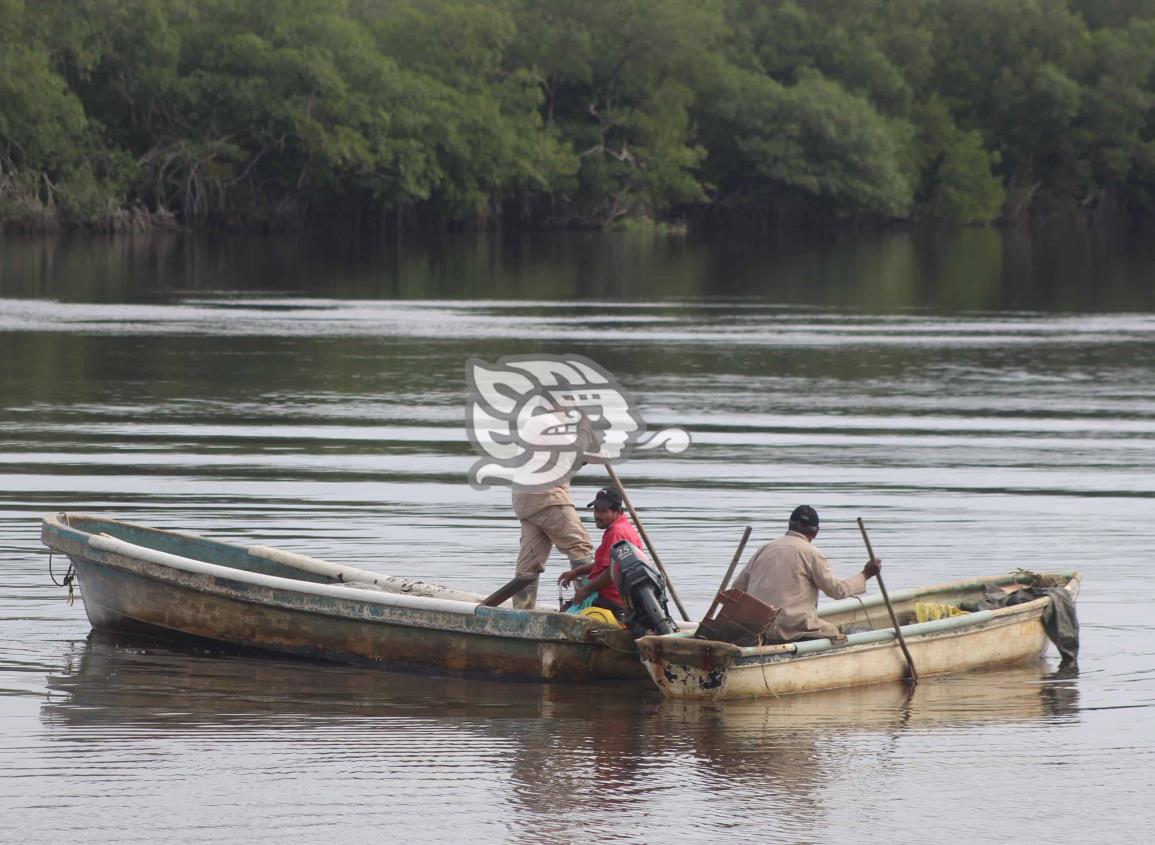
[(736, 617)]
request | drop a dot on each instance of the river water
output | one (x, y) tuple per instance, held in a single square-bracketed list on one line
[(984, 401)]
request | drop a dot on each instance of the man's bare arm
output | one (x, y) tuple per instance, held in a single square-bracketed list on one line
[(567, 577), (583, 592)]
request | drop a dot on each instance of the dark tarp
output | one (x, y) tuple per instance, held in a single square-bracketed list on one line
[(1060, 619)]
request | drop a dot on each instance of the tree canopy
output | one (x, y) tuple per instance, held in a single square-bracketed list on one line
[(266, 113)]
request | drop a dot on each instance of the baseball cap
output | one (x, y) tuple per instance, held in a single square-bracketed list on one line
[(607, 497), (804, 516)]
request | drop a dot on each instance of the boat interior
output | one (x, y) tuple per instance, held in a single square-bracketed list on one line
[(263, 560), (930, 604)]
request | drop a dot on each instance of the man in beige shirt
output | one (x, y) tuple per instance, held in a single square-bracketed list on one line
[(548, 519), (788, 573)]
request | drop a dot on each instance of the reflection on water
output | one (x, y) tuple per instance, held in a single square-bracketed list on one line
[(984, 400), (1059, 269), (559, 750), (116, 679)]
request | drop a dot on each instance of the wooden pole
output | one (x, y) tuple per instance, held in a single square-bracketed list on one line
[(508, 591), (912, 675), (646, 539), (737, 557), (729, 572)]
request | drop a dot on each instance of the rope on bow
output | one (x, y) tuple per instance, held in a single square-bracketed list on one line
[(69, 578)]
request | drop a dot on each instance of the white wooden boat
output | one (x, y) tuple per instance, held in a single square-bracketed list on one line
[(175, 585), (684, 667)]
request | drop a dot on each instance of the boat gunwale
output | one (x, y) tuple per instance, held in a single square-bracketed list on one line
[(960, 585), (336, 573), (1018, 615), (912, 631)]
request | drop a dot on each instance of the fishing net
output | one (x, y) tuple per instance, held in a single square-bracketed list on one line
[(926, 611)]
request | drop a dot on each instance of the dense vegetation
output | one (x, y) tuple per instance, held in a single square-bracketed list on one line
[(133, 113)]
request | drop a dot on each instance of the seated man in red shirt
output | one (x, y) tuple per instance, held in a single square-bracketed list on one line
[(608, 516)]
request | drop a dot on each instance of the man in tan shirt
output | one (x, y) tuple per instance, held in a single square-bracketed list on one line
[(788, 573)]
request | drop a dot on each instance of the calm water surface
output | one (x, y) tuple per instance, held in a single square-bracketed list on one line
[(983, 401)]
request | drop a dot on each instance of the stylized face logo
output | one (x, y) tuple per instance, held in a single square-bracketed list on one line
[(535, 419)]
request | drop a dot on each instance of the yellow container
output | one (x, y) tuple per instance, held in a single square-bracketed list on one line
[(600, 614)]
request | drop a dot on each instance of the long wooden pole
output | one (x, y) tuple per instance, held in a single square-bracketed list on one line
[(912, 675), (646, 538), (729, 572), (737, 557)]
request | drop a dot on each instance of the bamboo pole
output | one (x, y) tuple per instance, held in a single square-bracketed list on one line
[(912, 675)]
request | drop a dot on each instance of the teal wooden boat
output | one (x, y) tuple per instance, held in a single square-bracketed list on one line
[(173, 584)]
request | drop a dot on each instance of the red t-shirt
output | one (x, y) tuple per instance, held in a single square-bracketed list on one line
[(622, 529)]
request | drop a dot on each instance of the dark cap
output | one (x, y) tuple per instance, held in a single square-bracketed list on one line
[(804, 518), (607, 497)]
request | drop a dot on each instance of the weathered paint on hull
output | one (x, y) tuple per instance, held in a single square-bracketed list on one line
[(115, 599), (693, 669), (181, 585)]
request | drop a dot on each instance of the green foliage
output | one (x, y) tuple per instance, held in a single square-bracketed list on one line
[(1115, 139), (573, 112), (619, 81), (957, 180), (844, 41), (40, 118), (814, 140)]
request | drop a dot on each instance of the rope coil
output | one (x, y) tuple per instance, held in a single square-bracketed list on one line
[(69, 578)]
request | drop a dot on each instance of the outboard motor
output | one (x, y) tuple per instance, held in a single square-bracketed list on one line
[(643, 591)]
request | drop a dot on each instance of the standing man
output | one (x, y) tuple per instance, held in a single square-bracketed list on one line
[(608, 516), (788, 573), (548, 519)]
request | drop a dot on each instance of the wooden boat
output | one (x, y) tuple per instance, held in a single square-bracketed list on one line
[(173, 584), (683, 667)]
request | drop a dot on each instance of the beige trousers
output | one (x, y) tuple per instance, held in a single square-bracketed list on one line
[(556, 525)]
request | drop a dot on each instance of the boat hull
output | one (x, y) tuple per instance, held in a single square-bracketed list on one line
[(696, 669), (123, 591)]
